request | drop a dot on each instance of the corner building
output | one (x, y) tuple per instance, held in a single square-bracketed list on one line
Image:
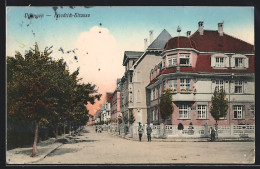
[(193, 67)]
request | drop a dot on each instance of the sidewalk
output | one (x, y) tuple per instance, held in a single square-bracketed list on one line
[(44, 148), (183, 139)]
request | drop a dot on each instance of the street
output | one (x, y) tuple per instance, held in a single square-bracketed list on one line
[(104, 148)]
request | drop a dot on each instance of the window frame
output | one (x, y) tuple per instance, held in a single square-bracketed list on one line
[(184, 109), (218, 85), (186, 57), (185, 84), (172, 59), (239, 113), (202, 111), (219, 64), (173, 84), (239, 86)]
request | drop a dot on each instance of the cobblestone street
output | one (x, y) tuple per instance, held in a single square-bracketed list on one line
[(104, 148)]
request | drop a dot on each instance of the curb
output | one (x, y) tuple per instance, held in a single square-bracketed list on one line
[(188, 139), (46, 154)]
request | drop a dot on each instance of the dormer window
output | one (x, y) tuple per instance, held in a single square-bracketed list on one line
[(239, 61), (219, 61), (184, 59)]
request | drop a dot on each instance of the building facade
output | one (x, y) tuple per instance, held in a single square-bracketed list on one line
[(115, 105), (137, 71), (193, 67)]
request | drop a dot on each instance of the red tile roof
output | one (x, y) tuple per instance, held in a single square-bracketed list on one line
[(180, 42), (109, 97), (204, 65), (211, 41)]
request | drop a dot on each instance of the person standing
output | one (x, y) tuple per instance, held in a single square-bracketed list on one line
[(212, 134), (149, 131), (140, 131)]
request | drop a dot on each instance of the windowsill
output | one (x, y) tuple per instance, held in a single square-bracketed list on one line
[(219, 67), (171, 66), (239, 68), (183, 119), (185, 92), (185, 65), (237, 119), (202, 119)]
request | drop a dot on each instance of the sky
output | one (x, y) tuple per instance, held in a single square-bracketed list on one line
[(98, 36)]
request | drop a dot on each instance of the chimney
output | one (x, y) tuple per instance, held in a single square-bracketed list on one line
[(188, 33), (151, 36), (220, 29), (201, 27), (145, 43)]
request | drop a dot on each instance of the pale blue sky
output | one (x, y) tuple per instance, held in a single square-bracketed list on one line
[(123, 28)]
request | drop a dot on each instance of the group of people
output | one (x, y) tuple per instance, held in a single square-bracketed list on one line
[(148, 131)]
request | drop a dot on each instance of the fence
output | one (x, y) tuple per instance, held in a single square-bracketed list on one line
[(159, 131)]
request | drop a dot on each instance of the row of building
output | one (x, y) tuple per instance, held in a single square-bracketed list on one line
[(192, 66)]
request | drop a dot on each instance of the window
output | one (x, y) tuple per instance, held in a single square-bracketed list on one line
[(164, 85), (173, 84), (185, 84), (202, 111), (160, 92), (172, 60), (153, 93), (155, 114), (239, 62), (238, 111), (184, 111), (252, 110), (184, 59), (163, 62), (220, 62), (219, 85), (239, 86)]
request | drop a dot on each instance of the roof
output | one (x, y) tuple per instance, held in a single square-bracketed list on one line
[(211, 41), (131, 55), (160, 41), (180, 42), (109, 97)]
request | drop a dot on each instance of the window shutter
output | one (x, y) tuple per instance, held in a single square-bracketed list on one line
[(232, 62), (213, 61), (232, 87), (226, 60), (246, 62), (213, 85), (226, 86)]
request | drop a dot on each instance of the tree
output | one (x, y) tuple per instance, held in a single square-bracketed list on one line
[(219, 105), (41, 91), (28, 85), (166, 106), (131, 117)]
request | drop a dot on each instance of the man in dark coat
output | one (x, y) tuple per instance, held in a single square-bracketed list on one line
[(149, 131)]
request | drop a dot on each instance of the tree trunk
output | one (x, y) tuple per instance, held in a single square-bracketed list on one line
[(57, 132), (63, 130), (35, 139)]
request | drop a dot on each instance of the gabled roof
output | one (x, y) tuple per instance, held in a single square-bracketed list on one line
[(211, 41), (158, 44), (160, 41), (131, 55)]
